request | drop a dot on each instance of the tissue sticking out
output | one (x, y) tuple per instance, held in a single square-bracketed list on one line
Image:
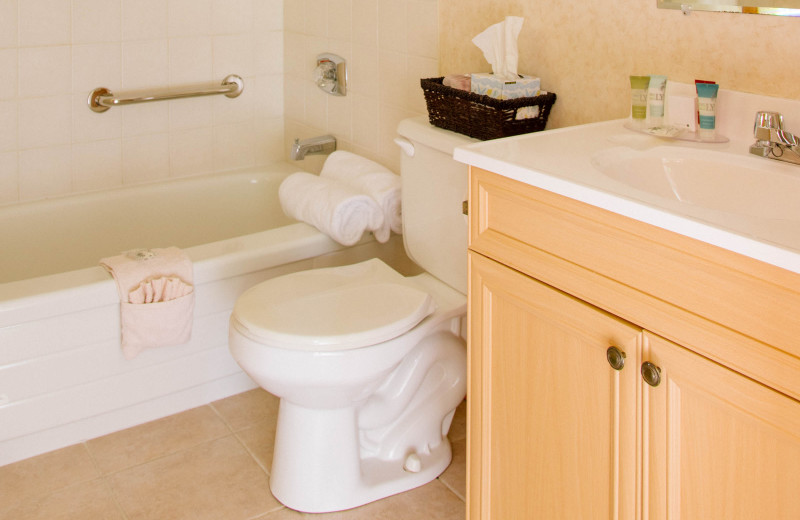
[(499, 46)]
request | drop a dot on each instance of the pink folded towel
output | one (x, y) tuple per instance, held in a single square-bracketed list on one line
[(156, 297)]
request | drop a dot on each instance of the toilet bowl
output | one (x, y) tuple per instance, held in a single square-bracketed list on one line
[(369, 365)]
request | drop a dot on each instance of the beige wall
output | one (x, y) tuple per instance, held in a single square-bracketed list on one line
[(585, 50)]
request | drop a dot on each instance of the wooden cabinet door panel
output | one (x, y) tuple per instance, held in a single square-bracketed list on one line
[(553, 425), (718, 445)]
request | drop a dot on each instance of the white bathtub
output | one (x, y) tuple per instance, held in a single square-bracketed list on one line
[(62, 376)]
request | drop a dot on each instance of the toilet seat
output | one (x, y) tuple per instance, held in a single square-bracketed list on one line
[(332, 309)]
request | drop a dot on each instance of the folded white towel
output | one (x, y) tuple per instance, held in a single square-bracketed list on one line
[(370, 178), (332, 207)]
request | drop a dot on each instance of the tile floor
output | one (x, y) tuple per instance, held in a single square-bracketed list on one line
[(211, 462)]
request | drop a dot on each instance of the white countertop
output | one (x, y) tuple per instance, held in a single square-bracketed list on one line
[(564, 161)]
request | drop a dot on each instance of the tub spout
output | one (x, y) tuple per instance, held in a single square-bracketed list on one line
[(321, 145)]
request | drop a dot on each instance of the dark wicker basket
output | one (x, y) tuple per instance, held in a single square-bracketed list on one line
[(480, 116)]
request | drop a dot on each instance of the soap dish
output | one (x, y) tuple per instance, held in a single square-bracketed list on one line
[(675, 132)]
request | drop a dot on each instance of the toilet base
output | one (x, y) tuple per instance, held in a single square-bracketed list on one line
[(307, 486)]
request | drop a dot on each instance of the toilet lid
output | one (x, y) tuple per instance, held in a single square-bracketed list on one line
[(333, 308)]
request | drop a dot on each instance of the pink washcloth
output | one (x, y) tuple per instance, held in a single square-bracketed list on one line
[(156, 297)]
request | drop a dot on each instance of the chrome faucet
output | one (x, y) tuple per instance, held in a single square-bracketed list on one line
[(772, 140), (321, 145)]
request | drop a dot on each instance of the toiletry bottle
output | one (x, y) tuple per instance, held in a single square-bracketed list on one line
[(639, 85)]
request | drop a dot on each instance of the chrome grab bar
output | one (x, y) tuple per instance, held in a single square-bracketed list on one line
[(101, 99)]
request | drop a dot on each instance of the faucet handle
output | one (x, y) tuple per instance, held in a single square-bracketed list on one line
[(766, 119)]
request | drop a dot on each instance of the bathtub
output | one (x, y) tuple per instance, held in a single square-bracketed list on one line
[(63, 378)]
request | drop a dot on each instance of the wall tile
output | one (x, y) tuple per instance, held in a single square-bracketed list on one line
[(231, 16), (97, 165), (9, 64), (144, 19), (365, 22), (392, 25), (340, 19), (233, 146), (190, 60), (93, 126), (45, 71), (145, 64), (45, 172), (233, 55), (9, 178), (8, 23), (268, 14), (45, 122), (189, 17), (95, 21), (423, 32), (44, 22), (96, 65), (191, 152), (145, 158), (9, 126)]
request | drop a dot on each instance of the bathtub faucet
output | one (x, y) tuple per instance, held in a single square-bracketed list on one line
[(321, 145)]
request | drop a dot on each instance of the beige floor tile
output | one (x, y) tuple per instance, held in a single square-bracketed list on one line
[(256, 407), (260, 441), (432, 501), (45, 474), (215, 480), (146, 442), (454, 477), (90, 500)]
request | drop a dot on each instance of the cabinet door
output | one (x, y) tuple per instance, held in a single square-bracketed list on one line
[(717, 444), (552, 424)]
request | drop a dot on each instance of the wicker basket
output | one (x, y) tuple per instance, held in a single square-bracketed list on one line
[(480, 116)]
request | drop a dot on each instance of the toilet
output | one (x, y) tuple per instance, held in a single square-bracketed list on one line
[(369, 365)]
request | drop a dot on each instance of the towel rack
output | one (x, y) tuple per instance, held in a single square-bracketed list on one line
[(101, 99)]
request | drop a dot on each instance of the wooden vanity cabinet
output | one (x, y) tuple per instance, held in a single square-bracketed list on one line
[(556, 432)]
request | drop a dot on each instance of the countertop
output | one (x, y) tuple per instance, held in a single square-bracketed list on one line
[(564, 161)]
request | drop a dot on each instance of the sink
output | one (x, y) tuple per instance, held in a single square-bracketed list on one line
[(707, 179)]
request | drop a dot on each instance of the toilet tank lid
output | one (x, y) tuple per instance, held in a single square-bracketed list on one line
[(332, 309), (418, 129)]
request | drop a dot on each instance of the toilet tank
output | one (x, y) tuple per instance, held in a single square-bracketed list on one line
[(434, 187)]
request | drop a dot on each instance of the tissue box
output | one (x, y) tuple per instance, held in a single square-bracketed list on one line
[(490, 85)]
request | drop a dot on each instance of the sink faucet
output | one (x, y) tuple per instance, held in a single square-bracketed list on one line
[(772, 140), (321, 145)]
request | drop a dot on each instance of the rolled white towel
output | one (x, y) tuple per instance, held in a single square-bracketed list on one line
[(334, 208), (370, 178)]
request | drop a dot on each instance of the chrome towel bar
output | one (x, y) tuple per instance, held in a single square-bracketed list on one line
[(101, 99)]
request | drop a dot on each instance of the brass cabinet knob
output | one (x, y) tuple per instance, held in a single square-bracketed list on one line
[(651, 374), (615, 357)]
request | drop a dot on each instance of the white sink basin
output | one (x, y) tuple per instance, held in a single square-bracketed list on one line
[(717, 181)]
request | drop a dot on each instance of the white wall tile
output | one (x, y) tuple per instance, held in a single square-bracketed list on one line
[(268, 14), (88, 125), (144, 19), (45, 71), (145, 158), (147, 118), (45, 122), (392, 25), (268, 53), (190, 113), (233, 55), (190, 60), (45, 172), (189, 17), (9, 64), (145, 64), (97, 165), (191, 152), (96, 21), (234, 146), (423, 29), (294, 16), (9, 126), (231, 16), (45, 22), (340, 19), (365, 121), (8, 23), (316, 18), (365, 22), (9, 178), (96, 65)]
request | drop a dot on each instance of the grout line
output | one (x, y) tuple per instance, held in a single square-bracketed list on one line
[(222, 417), (451, 489)]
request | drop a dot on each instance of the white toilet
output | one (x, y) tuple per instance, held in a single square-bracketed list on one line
[(369, 365)]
